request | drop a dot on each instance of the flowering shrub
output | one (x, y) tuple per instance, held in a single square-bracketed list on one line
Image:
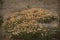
[(29, 22)]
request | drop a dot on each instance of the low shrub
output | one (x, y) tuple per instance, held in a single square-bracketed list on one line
[(30, 25)]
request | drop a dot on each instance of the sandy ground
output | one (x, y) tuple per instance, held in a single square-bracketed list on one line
[(16, 5)]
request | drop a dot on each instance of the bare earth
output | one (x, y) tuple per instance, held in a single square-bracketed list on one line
[(16, 5)]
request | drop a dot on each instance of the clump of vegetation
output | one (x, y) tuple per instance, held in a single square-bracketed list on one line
[(43, 34), (1, 19), (1, 3), (29, 25), (28, 6)]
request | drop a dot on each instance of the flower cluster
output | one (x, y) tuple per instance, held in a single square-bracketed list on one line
[(31, 20)]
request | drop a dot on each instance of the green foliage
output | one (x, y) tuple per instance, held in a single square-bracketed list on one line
[(35, 11), (28, 6), (48, 19), (50, 34), (1, 20), (1, 2)]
